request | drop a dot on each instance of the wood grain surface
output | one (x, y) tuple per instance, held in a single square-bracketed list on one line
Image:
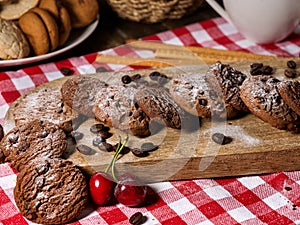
[(256, 148)]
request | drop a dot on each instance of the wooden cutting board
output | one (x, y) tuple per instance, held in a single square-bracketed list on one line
[(257, 148)]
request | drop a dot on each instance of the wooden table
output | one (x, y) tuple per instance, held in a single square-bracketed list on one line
[(113, 31)]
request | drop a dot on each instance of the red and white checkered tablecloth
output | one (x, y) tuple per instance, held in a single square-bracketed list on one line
[(267, 199)]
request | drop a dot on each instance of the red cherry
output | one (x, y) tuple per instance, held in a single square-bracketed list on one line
[(130, 191), (101, 188)]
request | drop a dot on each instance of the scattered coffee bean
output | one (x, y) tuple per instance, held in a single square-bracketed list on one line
[(104, 146), (66, 71), (1, 132), (221, 138), (76, 135), (288, 188), (136, 77), (138, 152), (124, 151), (101, 69), (96, 128), (104, 134), (137, 219), (98, 140), (126, 79), (256, 65), (267, 70), (290, 73), (86, 150), (148, 146), (291, 64), (154, 75)]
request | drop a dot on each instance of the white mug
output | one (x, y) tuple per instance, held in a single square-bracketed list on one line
[(261, 21)]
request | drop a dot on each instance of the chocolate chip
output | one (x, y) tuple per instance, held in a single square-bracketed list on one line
[(126, 79), (221, 138), (13, 139), (137, 218), (138, 152), (154, 75), (66, 71), (256, 65), (86, 150), (291, 64), (96, 128), (45, 134), (1, 132), (203, 102), (148, 146), (290, 73)]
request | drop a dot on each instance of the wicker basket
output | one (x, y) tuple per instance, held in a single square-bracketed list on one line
[(152, 11)]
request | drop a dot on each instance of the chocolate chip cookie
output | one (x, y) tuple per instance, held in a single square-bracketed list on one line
[(290, 92), (158, 104), (115, 106), (44, 104), (51, 191), (228, 80), (31, 140), (79, 92), (261, 96)]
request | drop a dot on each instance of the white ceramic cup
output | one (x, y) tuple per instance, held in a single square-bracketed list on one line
[(261, 21)]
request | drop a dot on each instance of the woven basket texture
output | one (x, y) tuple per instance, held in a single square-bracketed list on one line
[(153, 11)]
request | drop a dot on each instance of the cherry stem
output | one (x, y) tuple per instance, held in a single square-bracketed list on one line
[(115, 157)]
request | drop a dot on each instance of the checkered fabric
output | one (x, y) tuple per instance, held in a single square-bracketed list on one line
[(267, 199)]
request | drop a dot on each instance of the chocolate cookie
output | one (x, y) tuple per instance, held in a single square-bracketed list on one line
[(31, 140), (158, 104), (261, 96), (79, 92), (51, 191), (229, 80), (45, 104), (290, 92), (115, 106)]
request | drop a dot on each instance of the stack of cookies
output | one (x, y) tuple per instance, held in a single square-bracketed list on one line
[(41, 26)]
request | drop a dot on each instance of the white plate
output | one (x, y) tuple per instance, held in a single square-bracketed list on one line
[(77, 36)]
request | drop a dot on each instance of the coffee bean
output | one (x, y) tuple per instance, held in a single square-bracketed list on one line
[(96, 128), (104, 134), (104, 146), (256, 71), (221, 138), (290, 73), (66, 71), (148, 146), (291, 64), (1, 132), (154, 75), (126, 79), (136, 77), (138, 152), (267, 70), (76, 135), (125, 149), (137, 219), (98, 140), (86, 150), (256, 65)]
